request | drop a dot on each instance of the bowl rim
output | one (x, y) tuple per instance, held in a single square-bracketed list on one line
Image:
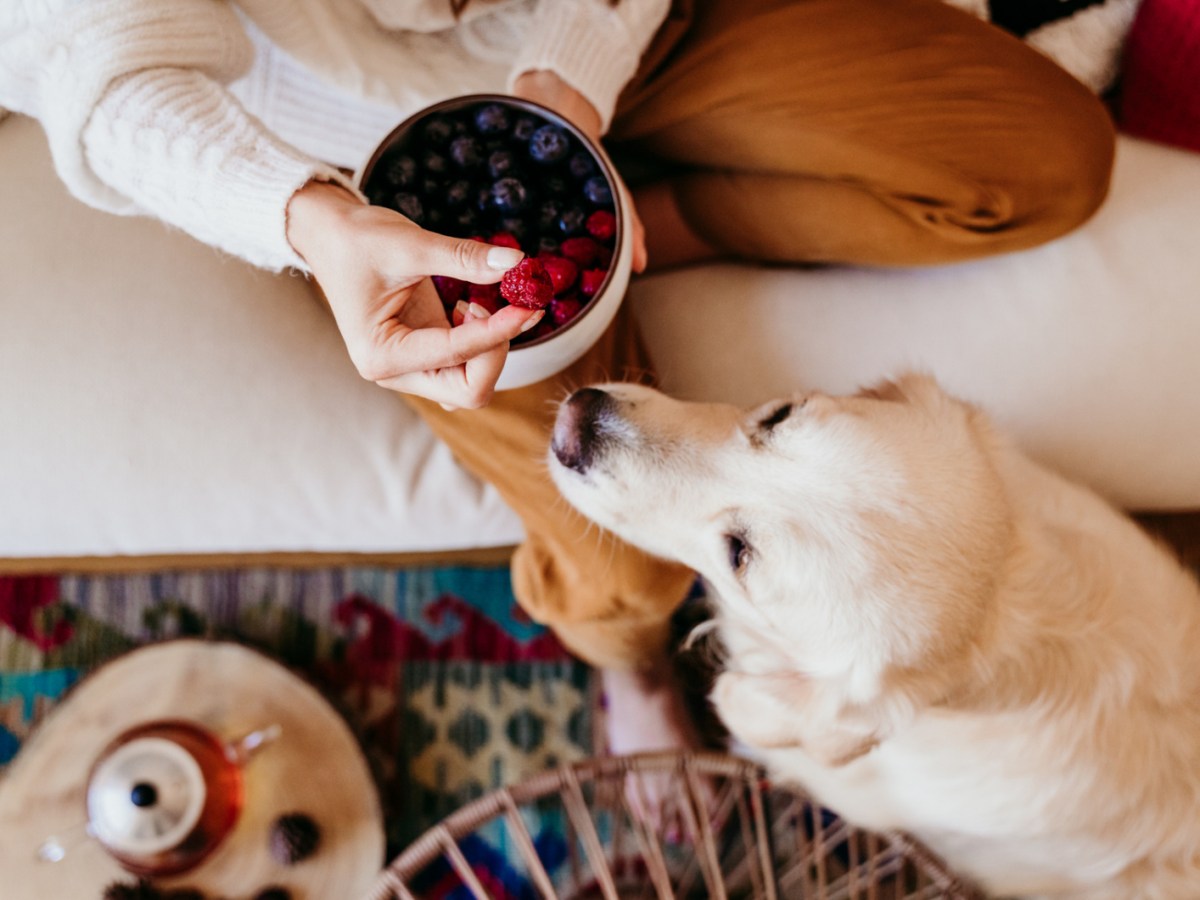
[(386, 143)]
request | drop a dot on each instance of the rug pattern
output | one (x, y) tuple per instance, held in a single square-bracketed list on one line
[(450, 689)]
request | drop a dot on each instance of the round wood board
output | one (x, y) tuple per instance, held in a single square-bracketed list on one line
[(315, 767)]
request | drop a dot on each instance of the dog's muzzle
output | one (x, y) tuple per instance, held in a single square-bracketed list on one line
[(577, 434)]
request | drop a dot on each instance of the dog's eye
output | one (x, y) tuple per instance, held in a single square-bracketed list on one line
[(776, 417), (739, 551)]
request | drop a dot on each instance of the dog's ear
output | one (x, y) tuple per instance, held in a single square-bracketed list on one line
[(917, 388)]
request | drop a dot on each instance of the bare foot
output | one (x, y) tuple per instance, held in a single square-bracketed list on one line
[(646, 712)]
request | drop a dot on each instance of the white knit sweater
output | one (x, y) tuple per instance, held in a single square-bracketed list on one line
[(210, 116)]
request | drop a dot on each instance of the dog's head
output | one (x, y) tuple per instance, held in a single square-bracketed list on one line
[(846, 537)]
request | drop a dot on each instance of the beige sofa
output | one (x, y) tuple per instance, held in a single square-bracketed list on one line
[(158, 398)]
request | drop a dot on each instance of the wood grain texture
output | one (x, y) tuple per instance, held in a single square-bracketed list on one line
[(315, 767)]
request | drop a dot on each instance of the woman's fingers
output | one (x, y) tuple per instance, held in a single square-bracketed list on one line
[(467, 260), (467, 386), (425, 350), (640, 257)]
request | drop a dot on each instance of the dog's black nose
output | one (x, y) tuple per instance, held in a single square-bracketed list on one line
[(575, 430)]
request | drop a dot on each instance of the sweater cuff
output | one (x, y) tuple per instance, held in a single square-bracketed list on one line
[(589, 45), (175, 145), (260, 184)]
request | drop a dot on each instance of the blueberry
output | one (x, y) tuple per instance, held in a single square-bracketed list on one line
[(548, 245), (457, 194), (491, 119), (401, 171), (467, 220), (501, 163), (553, 185), (431, 187), (379, 196), (434, 163), (509, 196), (409, 205), (436, 218), (597, 191), (515, 226), (466, 152), (438, 131), (582, 165), (549, 212), (571, 221), (549, 145), (483, 199), (524, 129)]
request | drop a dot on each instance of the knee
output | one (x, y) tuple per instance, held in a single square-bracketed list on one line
[(1078, 167), (1046, 190)]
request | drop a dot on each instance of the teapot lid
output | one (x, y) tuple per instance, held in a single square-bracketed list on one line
[(146, 797)]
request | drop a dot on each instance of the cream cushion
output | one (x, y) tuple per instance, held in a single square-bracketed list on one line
[(160, 398)]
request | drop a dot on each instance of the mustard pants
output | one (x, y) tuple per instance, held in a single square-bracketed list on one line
[(877, 132)]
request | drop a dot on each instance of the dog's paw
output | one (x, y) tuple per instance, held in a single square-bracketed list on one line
[(773, 712), (750, 709), (838, 747)]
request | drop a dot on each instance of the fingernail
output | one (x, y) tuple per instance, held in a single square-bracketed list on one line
[(460, 313), (533, 320), (476, 311), (504, 258)]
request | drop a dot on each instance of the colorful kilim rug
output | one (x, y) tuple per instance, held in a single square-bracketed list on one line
[(451, 690)]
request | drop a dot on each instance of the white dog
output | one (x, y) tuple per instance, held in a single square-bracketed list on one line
[(924, 628)]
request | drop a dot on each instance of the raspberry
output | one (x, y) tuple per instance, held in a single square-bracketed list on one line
[(590, 281), (581, 250), (564, 310), (561, 270), (527, 284), (602, 225), (449, 289), (504, 239)]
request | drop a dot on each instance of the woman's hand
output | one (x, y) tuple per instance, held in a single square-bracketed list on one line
[(551, 91), (373, 265)]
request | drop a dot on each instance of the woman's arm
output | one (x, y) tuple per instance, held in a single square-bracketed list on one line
[(130, 94), (592, 46)]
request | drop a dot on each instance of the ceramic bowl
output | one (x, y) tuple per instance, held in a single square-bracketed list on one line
[(533, 360)]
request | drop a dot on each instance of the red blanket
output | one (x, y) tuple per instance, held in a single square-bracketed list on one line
[(1160, 92)]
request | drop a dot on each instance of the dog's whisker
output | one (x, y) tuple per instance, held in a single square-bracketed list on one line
[(698, 633)]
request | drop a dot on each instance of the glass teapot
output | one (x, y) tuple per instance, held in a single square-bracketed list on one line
[(162, 796)]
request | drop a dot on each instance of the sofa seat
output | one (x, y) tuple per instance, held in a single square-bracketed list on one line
[(158, 398)]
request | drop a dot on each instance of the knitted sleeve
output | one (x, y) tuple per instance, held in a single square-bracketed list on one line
[(592, 45), (130, 95)]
